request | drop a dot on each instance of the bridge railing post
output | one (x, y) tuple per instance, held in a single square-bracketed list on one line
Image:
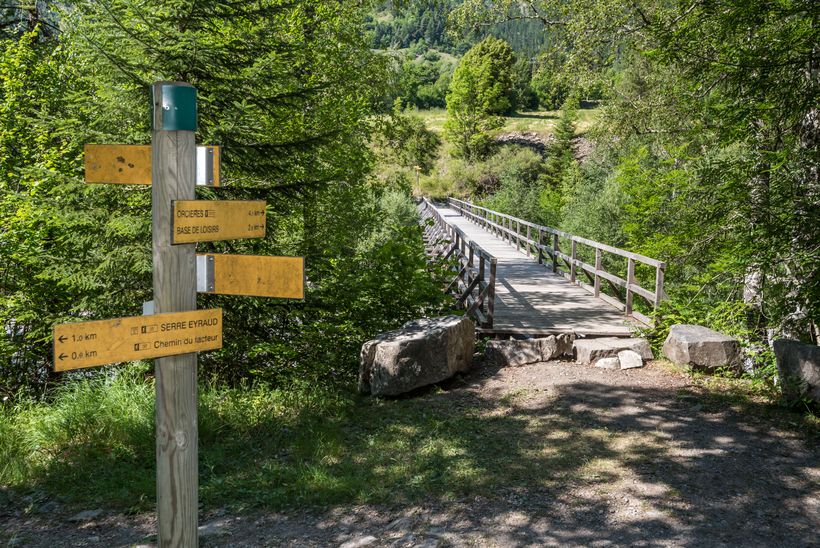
[(572, 266), (491, 293), (517, 236), (555, 253), (630, 279), (659, 272), (529, 245), (597, 289)]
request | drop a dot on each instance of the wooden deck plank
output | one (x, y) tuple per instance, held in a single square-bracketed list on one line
[(530, 299)]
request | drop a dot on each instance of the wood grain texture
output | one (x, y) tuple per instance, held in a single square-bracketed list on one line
[(174, 176)]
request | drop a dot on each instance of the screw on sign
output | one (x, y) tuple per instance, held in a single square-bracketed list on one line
[(173, 165)]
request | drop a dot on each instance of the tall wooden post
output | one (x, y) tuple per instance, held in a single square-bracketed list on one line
[(174, 178)]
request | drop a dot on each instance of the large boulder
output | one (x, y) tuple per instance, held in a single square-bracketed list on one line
[(421, 353), (798, 366), (701, 347), (592, 350), (520, 352)]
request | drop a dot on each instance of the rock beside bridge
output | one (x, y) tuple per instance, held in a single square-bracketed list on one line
[(701, 347), (421, 353), (592, 350), (798, 366), (522, 352)]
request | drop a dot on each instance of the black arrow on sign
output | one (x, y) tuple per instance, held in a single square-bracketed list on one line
[(63, 356), (62, 338)]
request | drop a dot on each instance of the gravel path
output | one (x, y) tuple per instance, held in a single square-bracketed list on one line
[(654, 461)]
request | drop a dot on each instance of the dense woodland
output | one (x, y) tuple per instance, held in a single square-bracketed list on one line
[(704, 155)]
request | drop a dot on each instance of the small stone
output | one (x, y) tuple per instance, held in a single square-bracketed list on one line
[(608, 363), (400, 523), (48, 508), (407, 539), (86, 515), (429, 543), (94, 539), (360, 542), (630, 359), (514, 352), (214, 528)]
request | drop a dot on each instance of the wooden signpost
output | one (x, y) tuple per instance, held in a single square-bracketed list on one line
[(173, 334)]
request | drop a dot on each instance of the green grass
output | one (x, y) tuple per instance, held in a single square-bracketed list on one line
[(93, 445), (541, 122)]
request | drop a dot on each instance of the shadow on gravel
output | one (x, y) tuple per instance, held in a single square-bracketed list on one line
[(574, 463)]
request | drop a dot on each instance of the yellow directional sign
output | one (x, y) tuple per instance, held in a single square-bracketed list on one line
[(131, 164), (214, 220), (118, 164), (86, 344), (282, 277)]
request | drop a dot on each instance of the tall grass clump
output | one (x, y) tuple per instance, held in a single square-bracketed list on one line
[(95, 438)]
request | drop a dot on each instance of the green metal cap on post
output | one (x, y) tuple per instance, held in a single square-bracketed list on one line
[(178, 107)]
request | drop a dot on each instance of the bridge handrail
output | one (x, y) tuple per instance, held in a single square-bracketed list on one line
[(510, 228), (474, 284)]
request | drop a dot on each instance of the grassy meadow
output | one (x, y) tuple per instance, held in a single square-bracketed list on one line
[(541, 122)]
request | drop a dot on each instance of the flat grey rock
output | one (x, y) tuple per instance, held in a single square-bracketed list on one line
[(513, 352), (591, 350), (701, 347), (214, 528)]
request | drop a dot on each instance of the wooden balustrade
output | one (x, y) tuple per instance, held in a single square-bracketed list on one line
[(546, 246), (475, 268)]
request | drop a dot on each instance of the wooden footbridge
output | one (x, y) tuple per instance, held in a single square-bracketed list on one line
[(518, 278)]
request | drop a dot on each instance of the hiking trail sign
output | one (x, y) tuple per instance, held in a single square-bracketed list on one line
[(100, 342), (173, 334)]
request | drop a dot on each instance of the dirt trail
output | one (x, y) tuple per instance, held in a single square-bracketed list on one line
[(642, 458)]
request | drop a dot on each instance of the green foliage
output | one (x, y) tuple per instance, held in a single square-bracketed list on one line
[(422, 81), (560, 154), (66, 248), (481, 90), (407, 140), (514, 173), (288, 90)]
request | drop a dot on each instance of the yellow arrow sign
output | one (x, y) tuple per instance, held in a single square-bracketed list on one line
[(282, 277), (131, 164), (86, 344), (215, 220)]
